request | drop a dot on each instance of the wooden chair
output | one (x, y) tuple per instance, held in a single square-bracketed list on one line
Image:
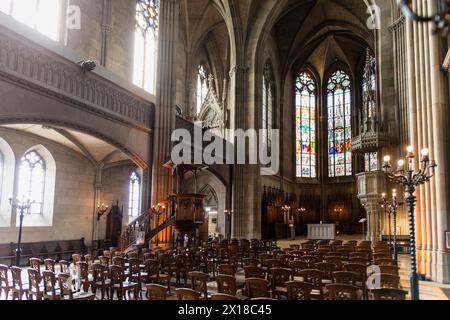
[(67, 292), (76, 258), (361, 271), (100, 280), (120, 285), (85, 278), (227, 269), (5, 283), (187, 294), (136, 275), (358, 260), (154, 275), (345, 277), (223, 297), (49, 265), (339, 291), (156, 292), (327, 268), (378, 256), (51, 292), (389, 270), (254, 272), (297, 290), (17, 288), (279, 277), (310, 260), (89, 259), (297, 266), (389, 294), (257, 288), (389, 280), (226, 284), (315, 277), (337, 261), (181, 269), (34, 282), (132, 255), (64, 266), (36, 263), (384, 262), (199, 282)]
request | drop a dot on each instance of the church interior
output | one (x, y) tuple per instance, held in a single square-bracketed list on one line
[(224, 150)]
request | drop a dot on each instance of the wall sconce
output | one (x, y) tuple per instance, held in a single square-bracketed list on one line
[(101, 210)]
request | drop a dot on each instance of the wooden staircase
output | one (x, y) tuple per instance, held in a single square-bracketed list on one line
[(152, 225)]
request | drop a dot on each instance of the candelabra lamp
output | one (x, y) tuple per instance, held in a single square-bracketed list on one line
[(101, 210), (392, 211), (387, 205), (406, 176), (22, 206), (440, 19)]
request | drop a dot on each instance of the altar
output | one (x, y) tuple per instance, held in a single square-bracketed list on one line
[(326, 231)]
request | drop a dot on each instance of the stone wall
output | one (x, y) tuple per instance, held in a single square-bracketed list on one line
[(74, 192)]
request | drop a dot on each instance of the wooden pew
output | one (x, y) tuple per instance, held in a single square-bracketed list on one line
[(57, 250)]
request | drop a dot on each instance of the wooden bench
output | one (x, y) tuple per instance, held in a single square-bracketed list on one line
[(57, 250)]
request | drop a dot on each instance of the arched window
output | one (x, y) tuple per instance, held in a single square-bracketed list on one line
[(41, 15), (306, 132), (267, 106), (134, 200), (339, 125), (32, 181), (202, 87), (146, 45)]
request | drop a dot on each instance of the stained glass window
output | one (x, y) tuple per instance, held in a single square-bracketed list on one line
[(32, 181), (146, 44), (339, 125), (371, 161), (202, 87), (41, 15), (267, 107), (306, 133), (134, 200)]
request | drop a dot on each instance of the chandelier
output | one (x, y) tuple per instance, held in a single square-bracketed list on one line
[(441, 19)]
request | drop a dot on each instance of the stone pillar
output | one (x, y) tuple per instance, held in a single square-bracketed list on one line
[(370, 187), (238, 77), (164, 123), (106, 30), (427, 106)]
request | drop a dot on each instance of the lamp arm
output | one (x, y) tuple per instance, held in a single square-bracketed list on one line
[(409, 13)]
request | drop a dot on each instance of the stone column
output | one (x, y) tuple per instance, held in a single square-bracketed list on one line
[(238, 77), (370, 187), (106, 30), (164, 123)]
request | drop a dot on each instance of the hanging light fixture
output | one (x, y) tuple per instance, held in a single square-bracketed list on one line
[(441, 19)]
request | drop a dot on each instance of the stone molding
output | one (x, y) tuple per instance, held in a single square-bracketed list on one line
[(27, 64)]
